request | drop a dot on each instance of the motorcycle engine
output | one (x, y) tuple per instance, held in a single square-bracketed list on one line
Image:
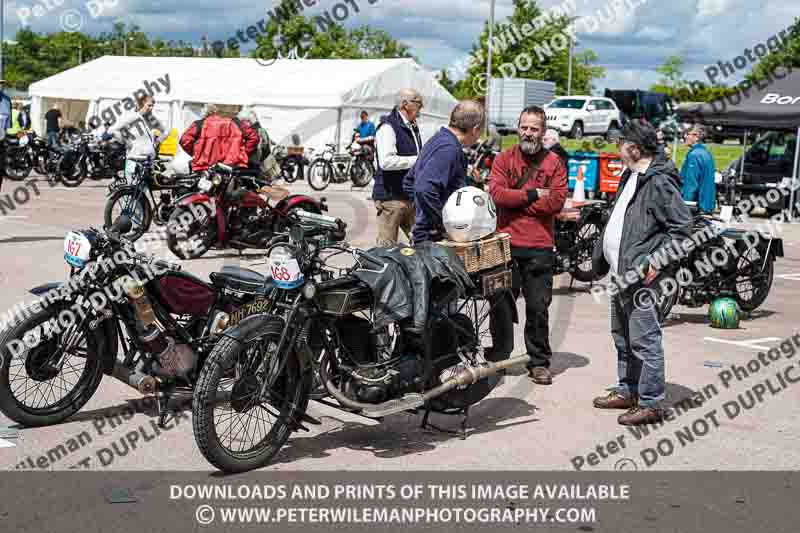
[(371, 371)]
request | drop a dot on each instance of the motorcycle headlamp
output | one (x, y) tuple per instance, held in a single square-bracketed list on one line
[(309, 291), (216, 180)]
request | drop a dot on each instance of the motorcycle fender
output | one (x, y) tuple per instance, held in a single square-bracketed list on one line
[(298, 200), (250, 328), (108, 337), (113, 190), (193, 198)]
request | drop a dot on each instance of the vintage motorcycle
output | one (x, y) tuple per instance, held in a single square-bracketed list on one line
[(356, 165), (576, 232), (161, 321), (724, 264), (228, 209), (263, 373), (147, 175), (479, 162), (19, 161)]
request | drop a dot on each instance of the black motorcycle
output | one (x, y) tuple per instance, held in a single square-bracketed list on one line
[(263, 373), (725, 263), (292, 162), (19, 161), (147, 175), (576, 232), (356, 165), (105, 159), (161, 321)]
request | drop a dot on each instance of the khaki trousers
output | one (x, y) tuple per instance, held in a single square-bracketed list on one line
[(392, 216)]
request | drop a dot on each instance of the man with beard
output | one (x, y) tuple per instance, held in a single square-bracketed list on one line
[(648, 217), (529, 186)]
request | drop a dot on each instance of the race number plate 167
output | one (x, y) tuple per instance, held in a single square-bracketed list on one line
[(285, 270), (76, 249)]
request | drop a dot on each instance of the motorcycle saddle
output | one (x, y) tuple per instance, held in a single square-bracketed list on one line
[(241, 279)]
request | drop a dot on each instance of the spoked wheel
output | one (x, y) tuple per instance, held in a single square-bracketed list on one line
[(191, 231), (753, 282), (320, 174), (245, 432), (50, 367), (19, 166), (361, 173), (447, 364), (135, 206), (587, 235)]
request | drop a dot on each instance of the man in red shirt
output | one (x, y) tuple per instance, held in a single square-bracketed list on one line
[(529, 186), (217, 139)]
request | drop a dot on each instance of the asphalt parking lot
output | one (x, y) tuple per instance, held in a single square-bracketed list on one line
[(521, 426)]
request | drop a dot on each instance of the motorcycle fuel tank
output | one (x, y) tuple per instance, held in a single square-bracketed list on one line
[(183, 293)]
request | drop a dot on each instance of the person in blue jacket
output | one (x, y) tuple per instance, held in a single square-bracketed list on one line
[(366, 129), (441, 169), (698, 171)]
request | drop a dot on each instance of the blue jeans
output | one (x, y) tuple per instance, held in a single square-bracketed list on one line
[(640, 352), (52, 138)]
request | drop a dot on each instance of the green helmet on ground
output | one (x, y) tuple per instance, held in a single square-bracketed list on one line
[(724, 313)]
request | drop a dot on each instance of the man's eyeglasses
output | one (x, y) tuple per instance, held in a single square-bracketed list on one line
[(418, 102)]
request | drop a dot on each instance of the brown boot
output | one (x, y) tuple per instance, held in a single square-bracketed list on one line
[(615, 400), (638, 416), (540, 375)]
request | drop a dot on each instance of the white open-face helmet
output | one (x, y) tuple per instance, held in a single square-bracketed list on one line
[(469, 215)]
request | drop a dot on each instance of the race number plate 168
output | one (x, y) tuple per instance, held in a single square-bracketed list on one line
[(285, 269)]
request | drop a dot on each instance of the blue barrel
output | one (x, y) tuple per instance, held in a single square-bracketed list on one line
[(589, 162)]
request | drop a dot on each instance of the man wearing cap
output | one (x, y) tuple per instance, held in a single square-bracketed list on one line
[(648, 217), (5, 123), (397, 144)]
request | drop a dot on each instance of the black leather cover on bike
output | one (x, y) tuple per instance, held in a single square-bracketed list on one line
[(414, 280), (241, 279)]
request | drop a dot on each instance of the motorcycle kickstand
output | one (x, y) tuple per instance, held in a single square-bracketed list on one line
[(163, 412), (462, 433)]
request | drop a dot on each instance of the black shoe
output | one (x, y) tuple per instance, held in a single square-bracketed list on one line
[(540, 375)]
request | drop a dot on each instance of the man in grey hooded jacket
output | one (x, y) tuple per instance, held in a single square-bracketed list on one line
[(649, 216)]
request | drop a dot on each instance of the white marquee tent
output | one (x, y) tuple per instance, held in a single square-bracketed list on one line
[(317, 98)]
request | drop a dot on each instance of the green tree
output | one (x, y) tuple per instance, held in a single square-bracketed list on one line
[(533, 57), (787, 56), (336, 42), (672, 72), (446, 82)]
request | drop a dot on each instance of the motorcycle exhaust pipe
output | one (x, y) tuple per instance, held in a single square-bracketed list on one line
[(467, 377), (474, 374), (135, 379)]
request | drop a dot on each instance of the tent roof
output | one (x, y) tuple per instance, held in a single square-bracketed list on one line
[(323, 83), (753, 110)]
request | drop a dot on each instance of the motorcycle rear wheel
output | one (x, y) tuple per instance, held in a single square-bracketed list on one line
[(229, 369), (448, 366), (74, 176), (361, 173), (29, 373)]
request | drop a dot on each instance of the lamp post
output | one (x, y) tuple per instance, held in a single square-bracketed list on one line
[(488, 64)]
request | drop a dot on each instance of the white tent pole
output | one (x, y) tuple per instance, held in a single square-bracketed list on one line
[(339, 130), (675, 150), (794, 175), (732, 194), (489, 64)]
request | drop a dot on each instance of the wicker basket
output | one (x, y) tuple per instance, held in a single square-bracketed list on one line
[(295, 150), (489, 252)]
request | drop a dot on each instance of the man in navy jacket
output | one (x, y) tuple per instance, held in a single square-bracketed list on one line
[(441, 169)]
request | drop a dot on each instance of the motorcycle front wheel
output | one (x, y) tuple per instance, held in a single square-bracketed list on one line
[(50, 366), (320, 174), (587, 235), (19, 167), (73, 176), (125, 202), (226, 400), (191, 231)]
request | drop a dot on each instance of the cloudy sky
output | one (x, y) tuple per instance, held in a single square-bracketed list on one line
[(440, 32)]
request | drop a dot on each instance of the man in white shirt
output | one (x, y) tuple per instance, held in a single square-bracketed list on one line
[(397, 145), (648, 218), (135, 129)]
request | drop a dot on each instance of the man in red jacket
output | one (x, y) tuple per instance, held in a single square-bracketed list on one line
[(529, 186), (217, 139)]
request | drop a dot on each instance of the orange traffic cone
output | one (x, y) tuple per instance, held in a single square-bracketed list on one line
[(579, 194)]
